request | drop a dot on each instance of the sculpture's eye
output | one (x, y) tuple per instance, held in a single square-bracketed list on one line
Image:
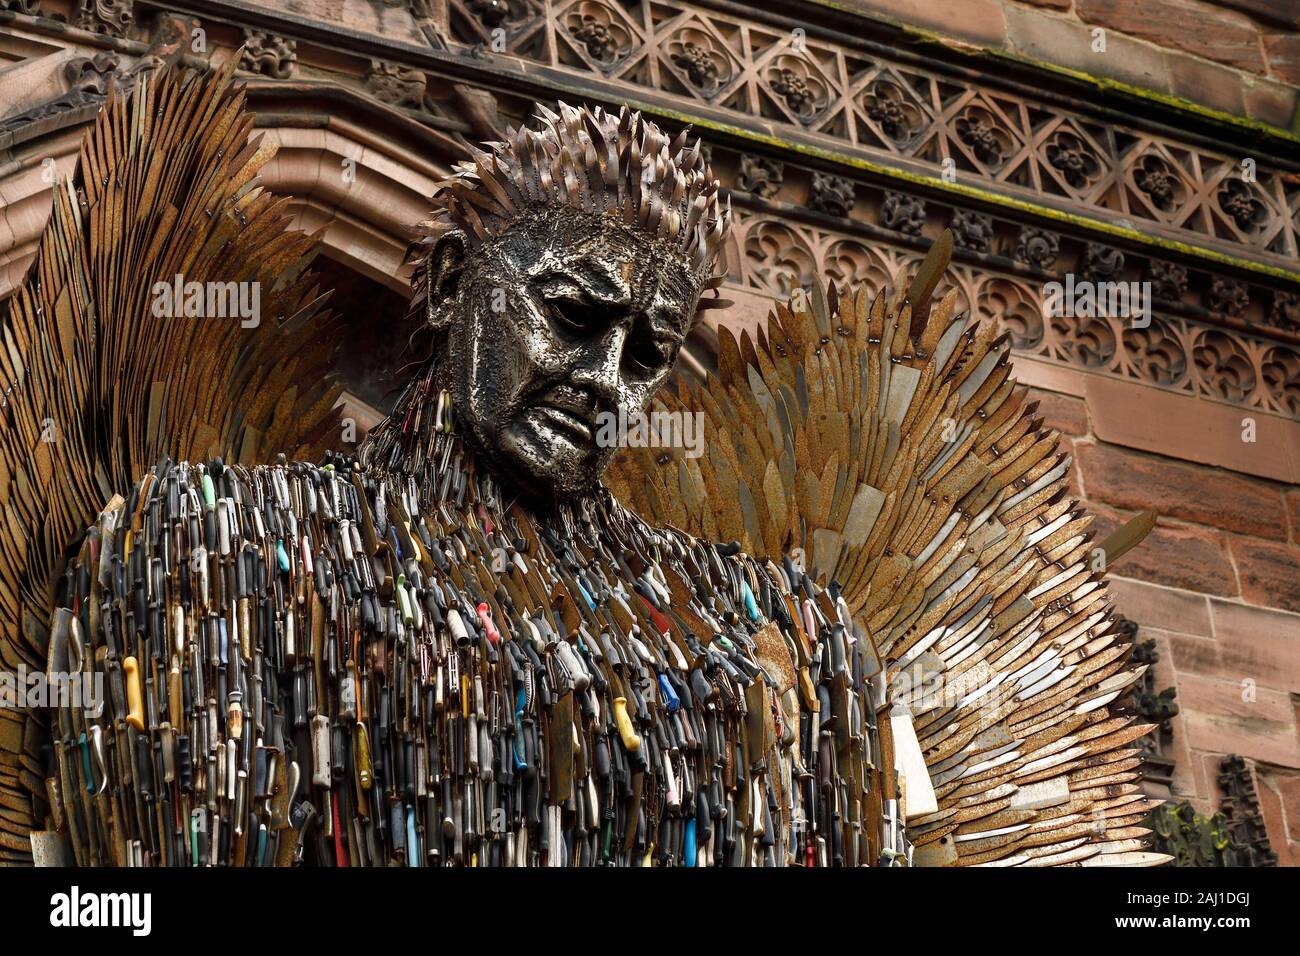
[(575, 315)]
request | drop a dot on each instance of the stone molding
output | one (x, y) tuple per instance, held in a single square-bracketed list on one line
[(802, 87)]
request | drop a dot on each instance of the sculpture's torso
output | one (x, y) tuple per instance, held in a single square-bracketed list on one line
[(454, 680)]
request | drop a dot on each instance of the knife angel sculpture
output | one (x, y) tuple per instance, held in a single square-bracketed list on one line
[(867, 627)]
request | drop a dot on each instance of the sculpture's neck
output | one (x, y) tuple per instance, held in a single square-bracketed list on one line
[(402, 441), (420, 439)]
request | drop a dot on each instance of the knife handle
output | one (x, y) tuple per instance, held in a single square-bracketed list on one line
[(404, 601), (168, 741), (365, 772), (397, 825), (573, 664), (703, 822), (235, 716), (338, 752), (674, 797), (601, 758), (631, 740), (175, 693), (457, 627), (348, 693), (489, 628), (262, 772), (144, 769), (672, 701), (412, 839), (134, 700), (184, 763), (198, 836), (83, 743), (751, 606), (320, 750)]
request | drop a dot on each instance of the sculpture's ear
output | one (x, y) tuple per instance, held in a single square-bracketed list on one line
[(444, 268)]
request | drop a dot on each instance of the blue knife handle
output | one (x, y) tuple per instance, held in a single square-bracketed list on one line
[(670, 695)]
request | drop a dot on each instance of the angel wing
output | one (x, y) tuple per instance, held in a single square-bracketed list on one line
[(882, 443), (165, 191)]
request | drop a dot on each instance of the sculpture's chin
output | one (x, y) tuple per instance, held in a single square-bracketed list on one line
[(549, 456)]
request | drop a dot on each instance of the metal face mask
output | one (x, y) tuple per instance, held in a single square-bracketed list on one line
[(560, 272), (553, 325)]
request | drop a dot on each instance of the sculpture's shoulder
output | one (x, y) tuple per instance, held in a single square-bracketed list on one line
[(209, 500), (202, 513)]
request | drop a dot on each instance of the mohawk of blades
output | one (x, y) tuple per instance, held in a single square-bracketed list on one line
[(622, 166)]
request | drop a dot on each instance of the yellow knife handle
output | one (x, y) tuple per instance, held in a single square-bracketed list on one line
[(630, 739), (175, 694), (365, 774), (134, 699)]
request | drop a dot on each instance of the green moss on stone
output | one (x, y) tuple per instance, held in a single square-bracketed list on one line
[(923, 37)]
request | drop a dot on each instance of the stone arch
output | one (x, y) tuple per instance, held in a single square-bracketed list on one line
[(359, 171)]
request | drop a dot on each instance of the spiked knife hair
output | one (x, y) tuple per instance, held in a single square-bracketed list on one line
[(592, 161)]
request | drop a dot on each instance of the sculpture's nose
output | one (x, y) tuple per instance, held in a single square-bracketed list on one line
[(598, 368)]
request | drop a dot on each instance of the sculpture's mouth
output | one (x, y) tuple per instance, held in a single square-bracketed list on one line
[(569, 413), (579, 428)]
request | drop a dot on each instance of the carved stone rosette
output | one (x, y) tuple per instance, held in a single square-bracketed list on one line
[(1181, 349), (111, 17), (268, 54)]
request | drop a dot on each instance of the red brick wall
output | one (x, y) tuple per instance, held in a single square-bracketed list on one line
[(1217, 586), (1256, 36), (1237, 56)]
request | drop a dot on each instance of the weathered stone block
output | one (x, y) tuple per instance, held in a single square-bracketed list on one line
[(1198, 28), (1269, 573), (1179, 556), (1228, 717), (1283, 51), (1063, 412), (1153, 606), (1207, 496)]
